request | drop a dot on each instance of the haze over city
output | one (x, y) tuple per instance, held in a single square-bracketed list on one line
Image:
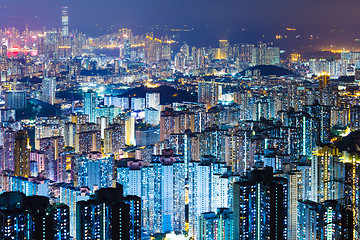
[(335, 22)]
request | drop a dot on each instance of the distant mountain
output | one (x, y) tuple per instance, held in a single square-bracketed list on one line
[(168, 94), (267, 70)]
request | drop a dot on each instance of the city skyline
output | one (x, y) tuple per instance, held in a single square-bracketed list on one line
[(179, 131), (335, 20)]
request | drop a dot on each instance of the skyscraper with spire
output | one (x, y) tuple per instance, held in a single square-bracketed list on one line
[(64, 22), (65, 43)]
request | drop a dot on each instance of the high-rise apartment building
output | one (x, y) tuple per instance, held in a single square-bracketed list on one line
[(153, 100), (32, 218), (130, 131), (217, 226), (137, 103), (264, 55), (94, 172), (167, 123), (107, 216), (161, 186), (90, 105), (260, 206), (9, 150), (22, 154), (209, 92), (224, 49), (48, 90), (210, 188), (114, 140), (152, 116), (15, 99), (327, 220), (70, 195)]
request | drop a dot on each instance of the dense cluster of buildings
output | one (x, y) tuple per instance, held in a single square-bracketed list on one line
[(250, 156)]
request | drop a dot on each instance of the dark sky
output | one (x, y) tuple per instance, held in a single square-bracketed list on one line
[(311, 16)]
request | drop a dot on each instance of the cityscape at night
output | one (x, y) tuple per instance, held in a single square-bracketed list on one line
[(204, 120)]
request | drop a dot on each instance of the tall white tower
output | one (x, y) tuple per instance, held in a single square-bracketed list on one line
[(64, 22), (48, 90)]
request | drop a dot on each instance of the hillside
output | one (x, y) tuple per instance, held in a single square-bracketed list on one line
[(168, 94), (267, 70)]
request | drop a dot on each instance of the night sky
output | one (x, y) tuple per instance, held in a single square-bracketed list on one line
[(258, 16)]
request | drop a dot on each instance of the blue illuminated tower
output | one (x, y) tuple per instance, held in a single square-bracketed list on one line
[(260, 206), (89, 105)]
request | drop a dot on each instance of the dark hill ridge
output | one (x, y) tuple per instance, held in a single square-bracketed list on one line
[(168, 94), (350, 143), (267, 70), (346, 79)]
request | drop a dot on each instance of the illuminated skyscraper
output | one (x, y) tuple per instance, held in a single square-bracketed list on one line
[(208, 190), (322, 117), (70, 195), (3, 63), (246, 51), (87, 141), (64, 22), (258, 55), (327, 220), (69, 134), (15, 99), (260, 206), (153, 100), (4, 59), (161, 187), (217, 227), (264, 55), (167, 123), (224, 49), (4, 52), (90, 104), (51, 43), (130, 131), (166, 52), (135, 216), (185, 51), (152, 116), (152, 49), (95, 172), (32, 218), (272, 56), (127, 49), (137, 103), (114, 139), (65, 43), (48, 90), (54, 165), (22, 154), (209, 92), (9, 147), (295, 194), (325, 168), (106, 216)]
